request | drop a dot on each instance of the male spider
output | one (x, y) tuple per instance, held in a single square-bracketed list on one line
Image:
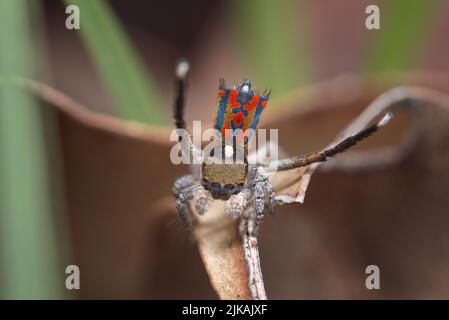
[(237, 183)]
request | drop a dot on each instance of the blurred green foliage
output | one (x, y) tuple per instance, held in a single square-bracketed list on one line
[(28, 243), (273, 39), (122, 71), (400, 42)]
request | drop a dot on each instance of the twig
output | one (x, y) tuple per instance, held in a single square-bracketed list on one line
[(252, 260)]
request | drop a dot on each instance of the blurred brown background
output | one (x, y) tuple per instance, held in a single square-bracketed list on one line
[(122, 230)]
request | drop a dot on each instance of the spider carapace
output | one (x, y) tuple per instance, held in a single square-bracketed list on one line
[(244, 188), (224, 179)]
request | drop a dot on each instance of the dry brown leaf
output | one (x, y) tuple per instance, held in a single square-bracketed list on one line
[(397, 97), (114, 185), (221, 249), (292, 186)]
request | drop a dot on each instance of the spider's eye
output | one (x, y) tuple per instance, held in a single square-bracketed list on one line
[(228, 187), (212, 152), (216, 185)]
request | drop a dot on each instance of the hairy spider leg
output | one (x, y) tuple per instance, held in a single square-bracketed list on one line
[(258, 187), (181, 71), (185, 189), (305, 160)]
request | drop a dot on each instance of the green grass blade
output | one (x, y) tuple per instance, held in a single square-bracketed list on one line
[(122, 72), (272, 35), (28, 250), (400, 41)]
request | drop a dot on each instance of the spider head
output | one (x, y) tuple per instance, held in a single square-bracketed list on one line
[(224, 176)]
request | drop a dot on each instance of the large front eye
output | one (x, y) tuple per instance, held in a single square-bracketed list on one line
[(215, 185), (228, 187)]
